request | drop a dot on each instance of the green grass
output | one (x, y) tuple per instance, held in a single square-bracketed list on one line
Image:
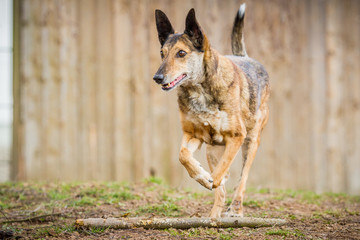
[(115, 197), (279, 232), (286, 233), (258, 190), (168, 195), (5, 203), (310, 197), (194, 232), (248, 203), (325, 214), (90, 195), (194, 195), (291, 217), (352, 213), (85, 201), (336, 197), (56, 195), (333, 213), (8, 227), (97, 230), (303, 196), (53, 231), (198, 232), (165, 209), (225, 236), (253, 203), (210, 231), (297, 233), (173, 232), (154, 180)]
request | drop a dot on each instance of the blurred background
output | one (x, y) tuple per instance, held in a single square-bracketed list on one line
[(78, 103)]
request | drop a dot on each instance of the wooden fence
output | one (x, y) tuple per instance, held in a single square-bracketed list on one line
[(86, 107)]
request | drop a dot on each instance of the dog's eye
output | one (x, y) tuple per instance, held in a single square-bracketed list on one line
[(181, 53), (161, 54)]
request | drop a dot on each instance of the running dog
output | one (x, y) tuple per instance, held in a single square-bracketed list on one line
[(222, 103)]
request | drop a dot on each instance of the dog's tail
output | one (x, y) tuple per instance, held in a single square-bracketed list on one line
[(237, 36)]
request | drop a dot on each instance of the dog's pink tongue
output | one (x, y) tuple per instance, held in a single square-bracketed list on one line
[(179, 78), (176, 80)]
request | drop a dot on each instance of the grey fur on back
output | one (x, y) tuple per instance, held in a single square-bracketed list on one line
[(257, 78)]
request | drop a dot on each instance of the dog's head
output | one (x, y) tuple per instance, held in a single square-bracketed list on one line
[(182, 53)]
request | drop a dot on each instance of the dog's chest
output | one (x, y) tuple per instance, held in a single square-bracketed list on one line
[(209, 126), (202, 113)]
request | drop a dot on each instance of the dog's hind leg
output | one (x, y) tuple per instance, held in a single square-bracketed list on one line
[(213, 155), (188, 147), (249, 149)]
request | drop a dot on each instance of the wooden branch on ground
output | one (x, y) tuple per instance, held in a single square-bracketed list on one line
[(180, 223)]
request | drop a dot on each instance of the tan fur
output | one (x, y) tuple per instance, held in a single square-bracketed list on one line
[(221, 104)]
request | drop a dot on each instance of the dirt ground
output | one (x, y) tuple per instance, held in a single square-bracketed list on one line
[(49, 210)]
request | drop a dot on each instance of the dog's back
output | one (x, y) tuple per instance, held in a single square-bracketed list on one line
[(257, 79)]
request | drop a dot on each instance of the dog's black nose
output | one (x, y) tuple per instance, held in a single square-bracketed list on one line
[(158, 78)]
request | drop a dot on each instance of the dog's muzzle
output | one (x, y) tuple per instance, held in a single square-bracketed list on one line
[(159, 78)]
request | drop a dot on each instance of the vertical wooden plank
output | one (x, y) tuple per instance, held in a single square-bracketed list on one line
[(17, 153), (295, 99), (31, 88), (122, 90), (87, 125), (49, 134), (272, 20), (218, 25), (104, 87), (160, 149), (68, 58), (351, 76), (260, 19), (276, 40), (316, 39), (302, 95), (140, 87), (284, 21), (287, 16), (335, 83)]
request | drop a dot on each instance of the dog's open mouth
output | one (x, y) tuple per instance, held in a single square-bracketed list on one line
[(172, 84)]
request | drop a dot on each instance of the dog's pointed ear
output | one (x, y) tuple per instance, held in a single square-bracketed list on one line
[(193, 30), (163, 26)]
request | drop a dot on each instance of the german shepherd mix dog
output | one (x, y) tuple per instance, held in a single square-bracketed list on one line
[(222, 102)]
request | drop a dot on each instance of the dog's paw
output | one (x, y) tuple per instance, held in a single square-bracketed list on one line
[(216, 212), (218, 183), (219, 179), (204, 178), (232, 214)]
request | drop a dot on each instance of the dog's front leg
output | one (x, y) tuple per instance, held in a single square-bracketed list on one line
[(231, 149), (188, 147)]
